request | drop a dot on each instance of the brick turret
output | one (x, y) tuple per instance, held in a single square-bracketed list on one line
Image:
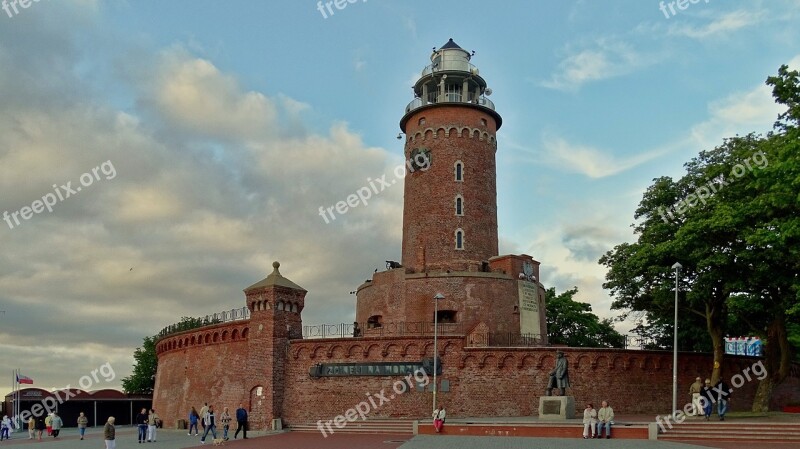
[(275, 304)]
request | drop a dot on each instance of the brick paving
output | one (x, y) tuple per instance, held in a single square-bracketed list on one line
[(174, 439)]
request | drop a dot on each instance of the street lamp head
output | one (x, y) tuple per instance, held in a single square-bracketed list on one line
[(677, 266), (439, 296)]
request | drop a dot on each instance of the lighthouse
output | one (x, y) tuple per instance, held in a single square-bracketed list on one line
[(450, 243), (450, 209)]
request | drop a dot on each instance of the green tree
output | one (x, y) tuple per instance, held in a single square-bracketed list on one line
[(143, 378), (736, 234), (572, 323)]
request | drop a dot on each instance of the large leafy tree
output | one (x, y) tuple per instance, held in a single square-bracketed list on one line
[(572, 323), (736, 232), (143, 378)]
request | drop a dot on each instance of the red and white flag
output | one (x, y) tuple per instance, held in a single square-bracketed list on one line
[(24, 379)]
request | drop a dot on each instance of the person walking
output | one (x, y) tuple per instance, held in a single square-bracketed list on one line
[(110, 434), (589, 421), (439, 416), (193, 418), (241, 421), (694, 392), (722, 392), (83, 421), (152, 424), (56, 424), (707, 398), (225, 418), (605, 416), (203, 411), (47, 422), (40, 427), (31, 427), (141, 423), (209, 421)]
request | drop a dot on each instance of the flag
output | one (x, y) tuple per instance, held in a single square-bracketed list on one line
[(24, 379)]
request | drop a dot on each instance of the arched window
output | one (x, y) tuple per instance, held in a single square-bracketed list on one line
[(459, 205), (374, 321), (459, 239), (459, 171), (421, 121)]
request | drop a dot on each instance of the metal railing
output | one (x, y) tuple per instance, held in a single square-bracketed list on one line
[(450, 65), (188, 323), (394, 329), (506, 339), (449, 97)]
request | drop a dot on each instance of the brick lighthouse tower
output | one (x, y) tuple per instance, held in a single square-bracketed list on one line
[(450, 210), (450, 244)]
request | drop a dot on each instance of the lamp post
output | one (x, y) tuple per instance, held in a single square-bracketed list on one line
[(435, 343), (677, 267)]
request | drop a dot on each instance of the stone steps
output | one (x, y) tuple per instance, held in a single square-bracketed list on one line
[(394, 427), (732, 431)]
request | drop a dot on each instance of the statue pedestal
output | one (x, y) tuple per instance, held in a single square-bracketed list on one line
[(556, 407)]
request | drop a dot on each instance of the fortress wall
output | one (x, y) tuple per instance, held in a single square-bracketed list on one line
[(496, 381), (202, 365)]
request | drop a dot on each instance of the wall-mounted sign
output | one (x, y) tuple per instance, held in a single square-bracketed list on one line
[(373, 369)]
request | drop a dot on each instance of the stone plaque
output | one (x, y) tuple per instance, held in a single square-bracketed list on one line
[(529, 318), (556, 407), (551, 407)]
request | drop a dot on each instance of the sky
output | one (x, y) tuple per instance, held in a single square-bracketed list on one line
[(204, 137)]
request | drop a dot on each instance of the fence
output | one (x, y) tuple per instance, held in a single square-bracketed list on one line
[(188, 323)]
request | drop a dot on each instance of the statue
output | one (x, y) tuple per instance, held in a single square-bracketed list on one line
[(559, 377)]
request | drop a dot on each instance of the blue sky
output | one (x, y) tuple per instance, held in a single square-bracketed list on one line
[(228, 124)]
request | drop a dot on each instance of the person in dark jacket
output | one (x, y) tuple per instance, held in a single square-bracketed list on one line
[(241, 420), (40, 426), (722, 393), (707, 398), (210, 421), (110, 434), (141, 423)]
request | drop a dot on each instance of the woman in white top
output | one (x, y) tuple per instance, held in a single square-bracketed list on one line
[(439, 416), (589, 421)]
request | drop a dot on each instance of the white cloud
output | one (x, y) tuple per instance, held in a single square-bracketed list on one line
[(605, 58), (738, 113), (720, 25), (569, 157)]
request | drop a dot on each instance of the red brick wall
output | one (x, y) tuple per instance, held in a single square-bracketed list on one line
[(451, 133), (191, 374), (476, 297), (496, 381), (483, 381)]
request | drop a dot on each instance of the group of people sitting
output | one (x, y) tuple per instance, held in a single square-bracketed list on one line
[(594, 421)]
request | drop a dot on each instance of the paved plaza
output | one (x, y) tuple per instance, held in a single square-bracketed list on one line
[(174, 439)]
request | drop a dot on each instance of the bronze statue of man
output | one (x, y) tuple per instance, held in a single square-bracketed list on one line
[(559, 377)]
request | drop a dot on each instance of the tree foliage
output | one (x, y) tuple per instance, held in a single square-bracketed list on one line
[(733, 222), (143, 378), (572, 323)]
